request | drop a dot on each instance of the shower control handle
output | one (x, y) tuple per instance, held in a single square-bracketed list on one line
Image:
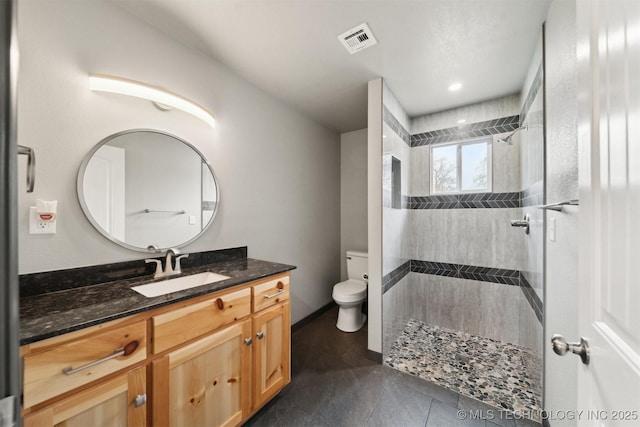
[(562, 347), (524, 223)]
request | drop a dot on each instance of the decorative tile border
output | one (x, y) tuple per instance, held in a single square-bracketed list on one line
[(472, 130), (470, 272), (467, 201), (482, 274), (389, 280), (531, 95), (396, 126), (532, 297)]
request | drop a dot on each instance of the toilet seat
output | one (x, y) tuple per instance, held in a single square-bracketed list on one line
[(351, 290)]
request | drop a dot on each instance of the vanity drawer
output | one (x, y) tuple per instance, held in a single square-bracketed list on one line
[(270, 293), (181, 325), (78, 362)]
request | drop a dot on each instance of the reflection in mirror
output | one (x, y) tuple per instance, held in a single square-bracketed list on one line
[(146, 188)]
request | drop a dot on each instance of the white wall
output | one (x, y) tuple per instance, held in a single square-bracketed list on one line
[(374, 210), (279, 171), (353, 194), (561, 257)]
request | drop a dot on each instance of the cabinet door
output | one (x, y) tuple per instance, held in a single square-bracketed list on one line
[(117, 402), (206, 383), (271, 352)]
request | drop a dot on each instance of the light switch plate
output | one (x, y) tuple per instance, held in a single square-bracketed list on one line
[(40, 227), (552, 229), (192, 219)]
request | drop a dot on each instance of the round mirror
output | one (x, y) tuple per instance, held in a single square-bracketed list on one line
[(147, 190)]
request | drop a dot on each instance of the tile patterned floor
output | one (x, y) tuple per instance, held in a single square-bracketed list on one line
[(499, 374), (334, 384)]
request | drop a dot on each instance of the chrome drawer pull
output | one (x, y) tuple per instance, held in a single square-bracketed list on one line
[(274, 295), (124, 351)]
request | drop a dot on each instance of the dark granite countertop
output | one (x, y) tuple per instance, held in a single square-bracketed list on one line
[(50, 314)]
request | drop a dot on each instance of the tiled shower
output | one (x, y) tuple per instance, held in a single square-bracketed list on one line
[(462, 288)]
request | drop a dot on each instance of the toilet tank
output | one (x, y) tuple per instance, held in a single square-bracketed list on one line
[(357, 264)]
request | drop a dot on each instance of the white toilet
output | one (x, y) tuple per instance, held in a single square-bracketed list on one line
[(350, 294)]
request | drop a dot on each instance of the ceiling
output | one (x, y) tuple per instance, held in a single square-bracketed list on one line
[(290, 49)]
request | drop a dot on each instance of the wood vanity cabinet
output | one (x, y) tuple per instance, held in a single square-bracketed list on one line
[(210, 361), (272, 339), (116, 402)]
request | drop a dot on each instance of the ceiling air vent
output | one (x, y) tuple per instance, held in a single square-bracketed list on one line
[(358, 38)]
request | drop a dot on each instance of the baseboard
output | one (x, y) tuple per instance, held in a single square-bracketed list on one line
[(374, 356), (319, 312)]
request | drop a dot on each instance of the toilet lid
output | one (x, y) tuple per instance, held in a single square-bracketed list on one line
[(352, 289)]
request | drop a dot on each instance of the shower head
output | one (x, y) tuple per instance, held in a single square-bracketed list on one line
[(507, 139)]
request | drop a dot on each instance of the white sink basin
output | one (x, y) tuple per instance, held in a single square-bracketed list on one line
[(179, 284)]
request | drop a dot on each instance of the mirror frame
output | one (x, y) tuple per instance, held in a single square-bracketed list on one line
[(85, 208)]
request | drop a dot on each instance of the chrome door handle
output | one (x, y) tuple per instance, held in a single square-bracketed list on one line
[(525, 222), (31, 166), (562, 347), (260, 335)]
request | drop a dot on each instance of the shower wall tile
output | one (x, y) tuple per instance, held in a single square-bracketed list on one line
[(486, 309), (480, 237), (530, 329), (420, 171), (395, 222), (466, 131), (532, 145), (532, 170), (395, 313), (534, 89), (506, 165), (391, 279), (390, 102), (467, 201), (531, 297), (479, 112)]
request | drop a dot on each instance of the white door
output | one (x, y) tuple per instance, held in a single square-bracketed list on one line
[(104, 189), (609, 140)]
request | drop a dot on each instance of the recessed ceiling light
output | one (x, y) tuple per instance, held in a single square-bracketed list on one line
[(461, 121), (455, 86)]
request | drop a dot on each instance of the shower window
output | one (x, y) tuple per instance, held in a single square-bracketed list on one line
[(461, 167)]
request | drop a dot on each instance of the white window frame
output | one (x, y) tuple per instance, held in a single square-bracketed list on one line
[(488, 140)]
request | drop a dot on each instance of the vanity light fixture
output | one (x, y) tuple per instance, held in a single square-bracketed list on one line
[(454, 87), (105, 83)]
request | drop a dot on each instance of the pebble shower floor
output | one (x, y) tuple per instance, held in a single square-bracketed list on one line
[(499, 374)]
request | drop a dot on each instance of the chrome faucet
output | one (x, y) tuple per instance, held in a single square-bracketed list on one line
[(169, 270)]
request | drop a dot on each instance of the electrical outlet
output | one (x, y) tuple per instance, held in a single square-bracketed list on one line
[(40, 227)]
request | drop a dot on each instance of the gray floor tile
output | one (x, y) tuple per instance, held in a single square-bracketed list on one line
[(334, 384), (443, 415), (433, 390), (527, 423), (400, 406), (496, 416)]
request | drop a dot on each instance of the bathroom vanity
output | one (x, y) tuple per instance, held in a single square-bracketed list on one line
[(211, 355)]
